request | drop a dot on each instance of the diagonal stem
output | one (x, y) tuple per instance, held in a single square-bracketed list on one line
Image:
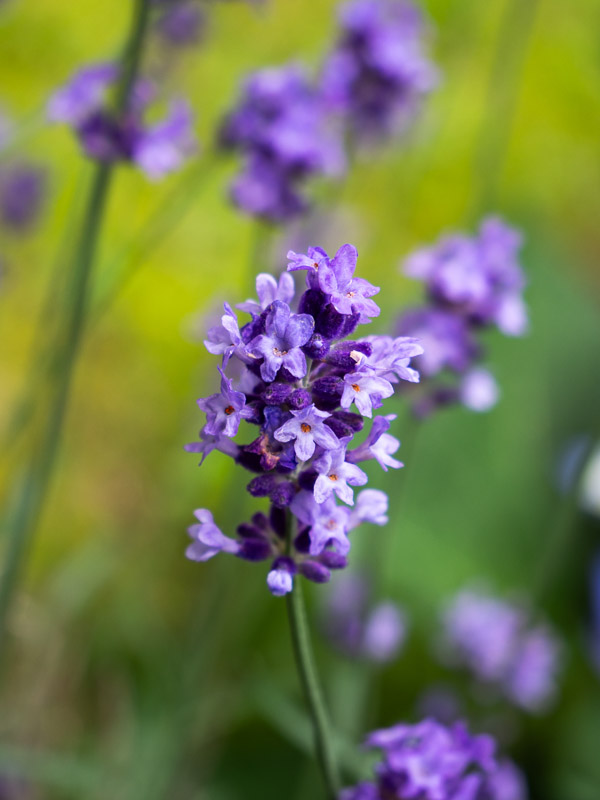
[(309, 680), (31, 492)]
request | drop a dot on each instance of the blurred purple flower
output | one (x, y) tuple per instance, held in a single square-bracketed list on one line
[(157, 149), (378, 74), (496, 641), (472, 283), (359, 628), (431, 761), (281, 128), (22, 190)]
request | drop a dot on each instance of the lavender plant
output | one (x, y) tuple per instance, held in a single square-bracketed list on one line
[(298, 377), (472, 284)]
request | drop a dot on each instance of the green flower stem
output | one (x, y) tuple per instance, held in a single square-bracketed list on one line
[(32, 491), (307, 672)]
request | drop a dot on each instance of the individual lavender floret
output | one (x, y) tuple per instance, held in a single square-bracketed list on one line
[(224, 411), (378, 74), (287, 374), (157, 149), (336, 475), (279, 346), (307, 429), (22, 190), (497, 642), (359, 628), (472, 283), (281, 128), (208, 540), (431, 761)]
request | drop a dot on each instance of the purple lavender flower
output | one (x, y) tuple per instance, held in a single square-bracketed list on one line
[(308, 429), (371, 506), (500, 646), (366, 389), (224, 411), (286, 374), (157, 150), (281, 128), (431, 761), (357, 627), (225, 339), (336, 475), (279, 346), (378, 74), (208, 540), (335, 277), (328, 522), (472, 283), (22, 189), (378, 445), (82, 95)]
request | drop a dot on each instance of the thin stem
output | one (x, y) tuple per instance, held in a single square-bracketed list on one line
[(33, 489), (309, 680)]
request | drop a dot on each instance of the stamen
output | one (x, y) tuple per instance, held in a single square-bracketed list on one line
[(279, 353), (356, 387), (333, 477), (305, 427), (229, 410)]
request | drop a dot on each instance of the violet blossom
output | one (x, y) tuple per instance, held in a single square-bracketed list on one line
[(502, 648), (432, 761), (360, 628), (281, 128), (378, 73), (472, 283), (156, 149), (285, 371)]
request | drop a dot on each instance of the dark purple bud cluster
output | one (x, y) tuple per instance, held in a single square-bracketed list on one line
[(300, 378)]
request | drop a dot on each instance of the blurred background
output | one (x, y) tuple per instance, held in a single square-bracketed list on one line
[(133, 673)]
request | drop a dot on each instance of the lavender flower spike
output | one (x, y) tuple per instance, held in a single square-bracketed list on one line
[(308, 429), (336, 475), (296, 377), (285, 333)]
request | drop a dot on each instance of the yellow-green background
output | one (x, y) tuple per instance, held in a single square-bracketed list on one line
[(136, 674)]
